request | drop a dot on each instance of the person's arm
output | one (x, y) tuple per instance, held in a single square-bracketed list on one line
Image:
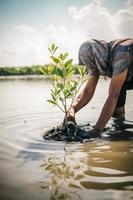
[(111, 101), (83, 98)]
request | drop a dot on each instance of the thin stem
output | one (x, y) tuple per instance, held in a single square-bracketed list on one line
[(59, 107), (76, 91), (65, 103)]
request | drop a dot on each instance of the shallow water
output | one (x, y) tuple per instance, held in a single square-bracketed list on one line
[(31, 168)]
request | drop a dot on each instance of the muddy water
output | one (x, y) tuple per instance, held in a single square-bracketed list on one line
[(31, 168)]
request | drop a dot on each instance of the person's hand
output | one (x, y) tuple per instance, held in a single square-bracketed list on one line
[(70, 116), (94, 133), (84, 134)]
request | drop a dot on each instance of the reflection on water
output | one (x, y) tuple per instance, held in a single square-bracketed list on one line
[(98, 166), (64, 177), (31, 168)]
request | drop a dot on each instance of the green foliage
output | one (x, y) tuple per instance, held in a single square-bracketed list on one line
[(65, 85), (7, 71)]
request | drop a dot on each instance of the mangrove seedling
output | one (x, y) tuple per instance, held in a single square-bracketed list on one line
[(65, 85)]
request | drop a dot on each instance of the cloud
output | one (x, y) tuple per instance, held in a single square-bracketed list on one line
[(130, 3), (24, 28), (94, 21), (29, 44), (124, 20)]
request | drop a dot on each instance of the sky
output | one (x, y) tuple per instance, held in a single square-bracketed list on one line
[(28, 27)]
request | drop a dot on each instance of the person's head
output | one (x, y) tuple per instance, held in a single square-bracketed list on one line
[(94, 55)]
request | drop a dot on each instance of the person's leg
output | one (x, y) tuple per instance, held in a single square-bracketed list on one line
[(120, 106), (129, 84), (118, 124)]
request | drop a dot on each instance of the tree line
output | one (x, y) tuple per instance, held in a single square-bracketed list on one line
[(25, 70)]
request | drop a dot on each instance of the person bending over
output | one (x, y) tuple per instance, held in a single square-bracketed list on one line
[(111, 59)]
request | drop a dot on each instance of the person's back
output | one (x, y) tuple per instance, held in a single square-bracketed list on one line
[(107, 58), (115, 60)]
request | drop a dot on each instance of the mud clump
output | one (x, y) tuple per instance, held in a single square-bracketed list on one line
[(72, 133)]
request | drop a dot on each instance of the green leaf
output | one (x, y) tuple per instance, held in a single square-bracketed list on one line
[(52, 92), (53, 97), (58, 91), (82, 70), (69, 95), (54, 77), (54, 59), (61, 99), (65, 55), (51, 101), (61, 56), (79, 70), (60, 86), (69, 72), (43, 70), (49, 69), (72, 85), (53, 47), (58, 72), (69, 62), (50, 50)]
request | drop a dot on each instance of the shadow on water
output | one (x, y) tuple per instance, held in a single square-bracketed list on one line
[(32, 151), (37, 150)]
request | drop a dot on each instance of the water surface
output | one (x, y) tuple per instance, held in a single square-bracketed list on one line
[(31, 168)]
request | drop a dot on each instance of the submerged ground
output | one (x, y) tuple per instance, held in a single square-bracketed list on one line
[(31, 168)]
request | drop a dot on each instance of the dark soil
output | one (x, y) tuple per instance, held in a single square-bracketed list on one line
[(69, 134), (80, 133)]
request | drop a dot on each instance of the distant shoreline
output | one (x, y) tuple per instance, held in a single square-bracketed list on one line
[(21, 71), (30, 71)]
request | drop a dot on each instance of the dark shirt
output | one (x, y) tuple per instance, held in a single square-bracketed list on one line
[(107, 58)]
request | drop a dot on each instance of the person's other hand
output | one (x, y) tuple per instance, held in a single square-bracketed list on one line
[(94, 133)]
